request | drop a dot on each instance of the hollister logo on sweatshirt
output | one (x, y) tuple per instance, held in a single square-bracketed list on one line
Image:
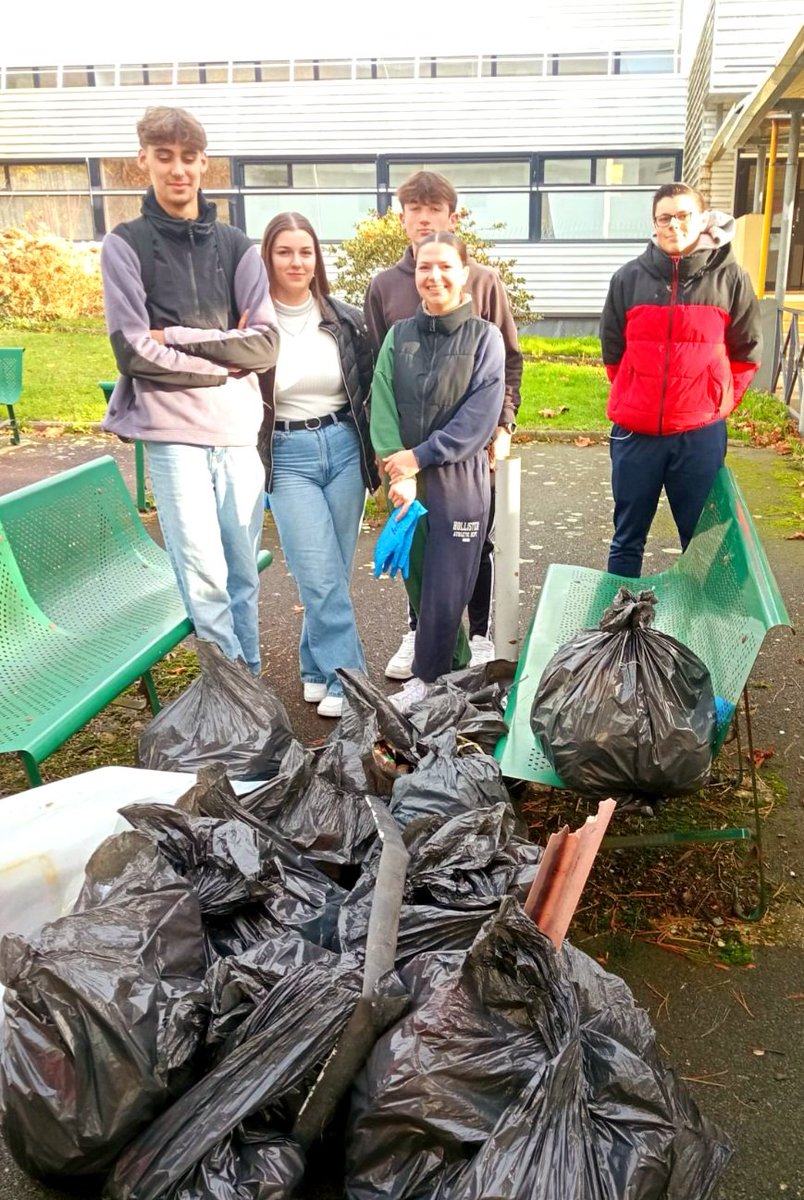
[(465, 530)]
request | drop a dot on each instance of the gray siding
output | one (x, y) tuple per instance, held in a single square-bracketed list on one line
[(361, 117), (748, 39), (569, 280), (694, 145)]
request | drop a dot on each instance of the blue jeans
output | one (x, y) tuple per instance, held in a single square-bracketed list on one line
[(684, 464), (317, 500), (210, 505)]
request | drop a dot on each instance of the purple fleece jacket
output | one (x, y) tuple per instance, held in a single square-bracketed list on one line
[(184, 391)]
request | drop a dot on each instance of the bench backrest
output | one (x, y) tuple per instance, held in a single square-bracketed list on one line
[(720, 598), (79, 532), (10, 374)]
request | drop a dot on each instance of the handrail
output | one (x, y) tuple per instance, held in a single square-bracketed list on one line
[(788, 362)]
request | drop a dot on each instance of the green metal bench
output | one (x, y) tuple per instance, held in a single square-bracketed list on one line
[(720, 598), (88, 604), (11, 384)]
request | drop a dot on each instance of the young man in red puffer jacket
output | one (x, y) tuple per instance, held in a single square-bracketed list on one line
[(681, 341)]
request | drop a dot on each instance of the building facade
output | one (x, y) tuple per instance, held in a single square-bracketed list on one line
[(555, 152), (739, 47)]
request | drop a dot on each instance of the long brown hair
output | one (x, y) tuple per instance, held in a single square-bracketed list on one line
[(319, 284)]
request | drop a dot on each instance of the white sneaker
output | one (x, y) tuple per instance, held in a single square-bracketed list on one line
[(400, 665), (482, 650), (411, 694), (314, 692), (330, 706)]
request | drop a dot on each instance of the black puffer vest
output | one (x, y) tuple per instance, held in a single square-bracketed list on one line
[(345, 323), (434, 361)]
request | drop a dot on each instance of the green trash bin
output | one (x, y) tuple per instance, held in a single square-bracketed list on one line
[(11, 384), (107, 387)]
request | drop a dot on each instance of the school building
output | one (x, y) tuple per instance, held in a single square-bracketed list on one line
[(555, 149)]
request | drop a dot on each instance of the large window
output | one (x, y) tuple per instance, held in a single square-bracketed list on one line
[(637, 62), (496, 193), (594, 215), (333, 196), (53, 195), (614, 203), (579, 64), (124, 184)]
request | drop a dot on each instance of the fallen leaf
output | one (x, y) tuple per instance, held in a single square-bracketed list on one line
[(783, 448), (798, 536), (298, 608), (553, 412), (584, 441), (762, 756)]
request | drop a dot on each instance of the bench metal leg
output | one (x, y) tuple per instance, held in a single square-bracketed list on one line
[(757, 913), (15, 429), (31, 768), (148, 688), (139, 472)]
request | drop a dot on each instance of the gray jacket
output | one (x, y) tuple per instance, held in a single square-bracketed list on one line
[(200, 387)]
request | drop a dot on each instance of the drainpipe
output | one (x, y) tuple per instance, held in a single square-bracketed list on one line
[(759, 179), (788, 205), (770, 181)]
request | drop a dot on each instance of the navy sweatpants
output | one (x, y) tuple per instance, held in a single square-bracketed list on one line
[(479, 606), (684, 464), (444, 563)]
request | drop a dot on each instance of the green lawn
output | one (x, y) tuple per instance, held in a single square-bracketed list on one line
[(60, 374), (62, 369), (566, 347)]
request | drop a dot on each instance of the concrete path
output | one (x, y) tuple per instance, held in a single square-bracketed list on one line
[(750, 1057)]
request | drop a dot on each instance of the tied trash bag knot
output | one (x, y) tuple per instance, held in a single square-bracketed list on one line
[(629, 611), (392, 552)]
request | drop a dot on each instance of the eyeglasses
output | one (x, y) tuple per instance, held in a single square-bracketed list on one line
[(666, 219)]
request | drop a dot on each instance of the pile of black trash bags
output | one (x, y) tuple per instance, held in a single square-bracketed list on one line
[(163, 1041)]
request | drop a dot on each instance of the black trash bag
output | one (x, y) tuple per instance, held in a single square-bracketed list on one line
[(293, 1031), (249, 885), (523, 1072), (446, 783), (320, 820), (470, 701), (239, 984), (105, 1012), (253, 1160), (226, 715), (372, 742), (458, 873), (625, 708)]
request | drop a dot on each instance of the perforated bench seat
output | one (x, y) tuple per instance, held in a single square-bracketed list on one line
[(88, 604)]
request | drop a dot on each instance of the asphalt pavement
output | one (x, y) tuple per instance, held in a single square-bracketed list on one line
[(744, 1055)]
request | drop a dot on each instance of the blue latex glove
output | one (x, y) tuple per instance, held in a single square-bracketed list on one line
[(392, 552)]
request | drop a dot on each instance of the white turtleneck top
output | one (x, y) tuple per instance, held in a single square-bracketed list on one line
[(309, 382)]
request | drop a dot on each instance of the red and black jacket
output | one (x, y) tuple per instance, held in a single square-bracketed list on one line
[(681, 339)]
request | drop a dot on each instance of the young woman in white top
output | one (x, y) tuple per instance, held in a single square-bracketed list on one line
[(315, 445)]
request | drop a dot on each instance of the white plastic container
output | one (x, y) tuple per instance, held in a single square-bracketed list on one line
[(49, 832)]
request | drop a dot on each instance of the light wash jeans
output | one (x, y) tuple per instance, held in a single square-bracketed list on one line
[(210, 505), (317, 501)]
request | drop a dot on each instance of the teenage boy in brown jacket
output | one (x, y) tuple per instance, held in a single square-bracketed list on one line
[(429, 204)]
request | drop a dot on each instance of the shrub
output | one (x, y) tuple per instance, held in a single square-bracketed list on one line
[(44, 278), (379, 242)]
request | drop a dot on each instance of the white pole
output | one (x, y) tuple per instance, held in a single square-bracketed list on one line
[(506, 559)]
